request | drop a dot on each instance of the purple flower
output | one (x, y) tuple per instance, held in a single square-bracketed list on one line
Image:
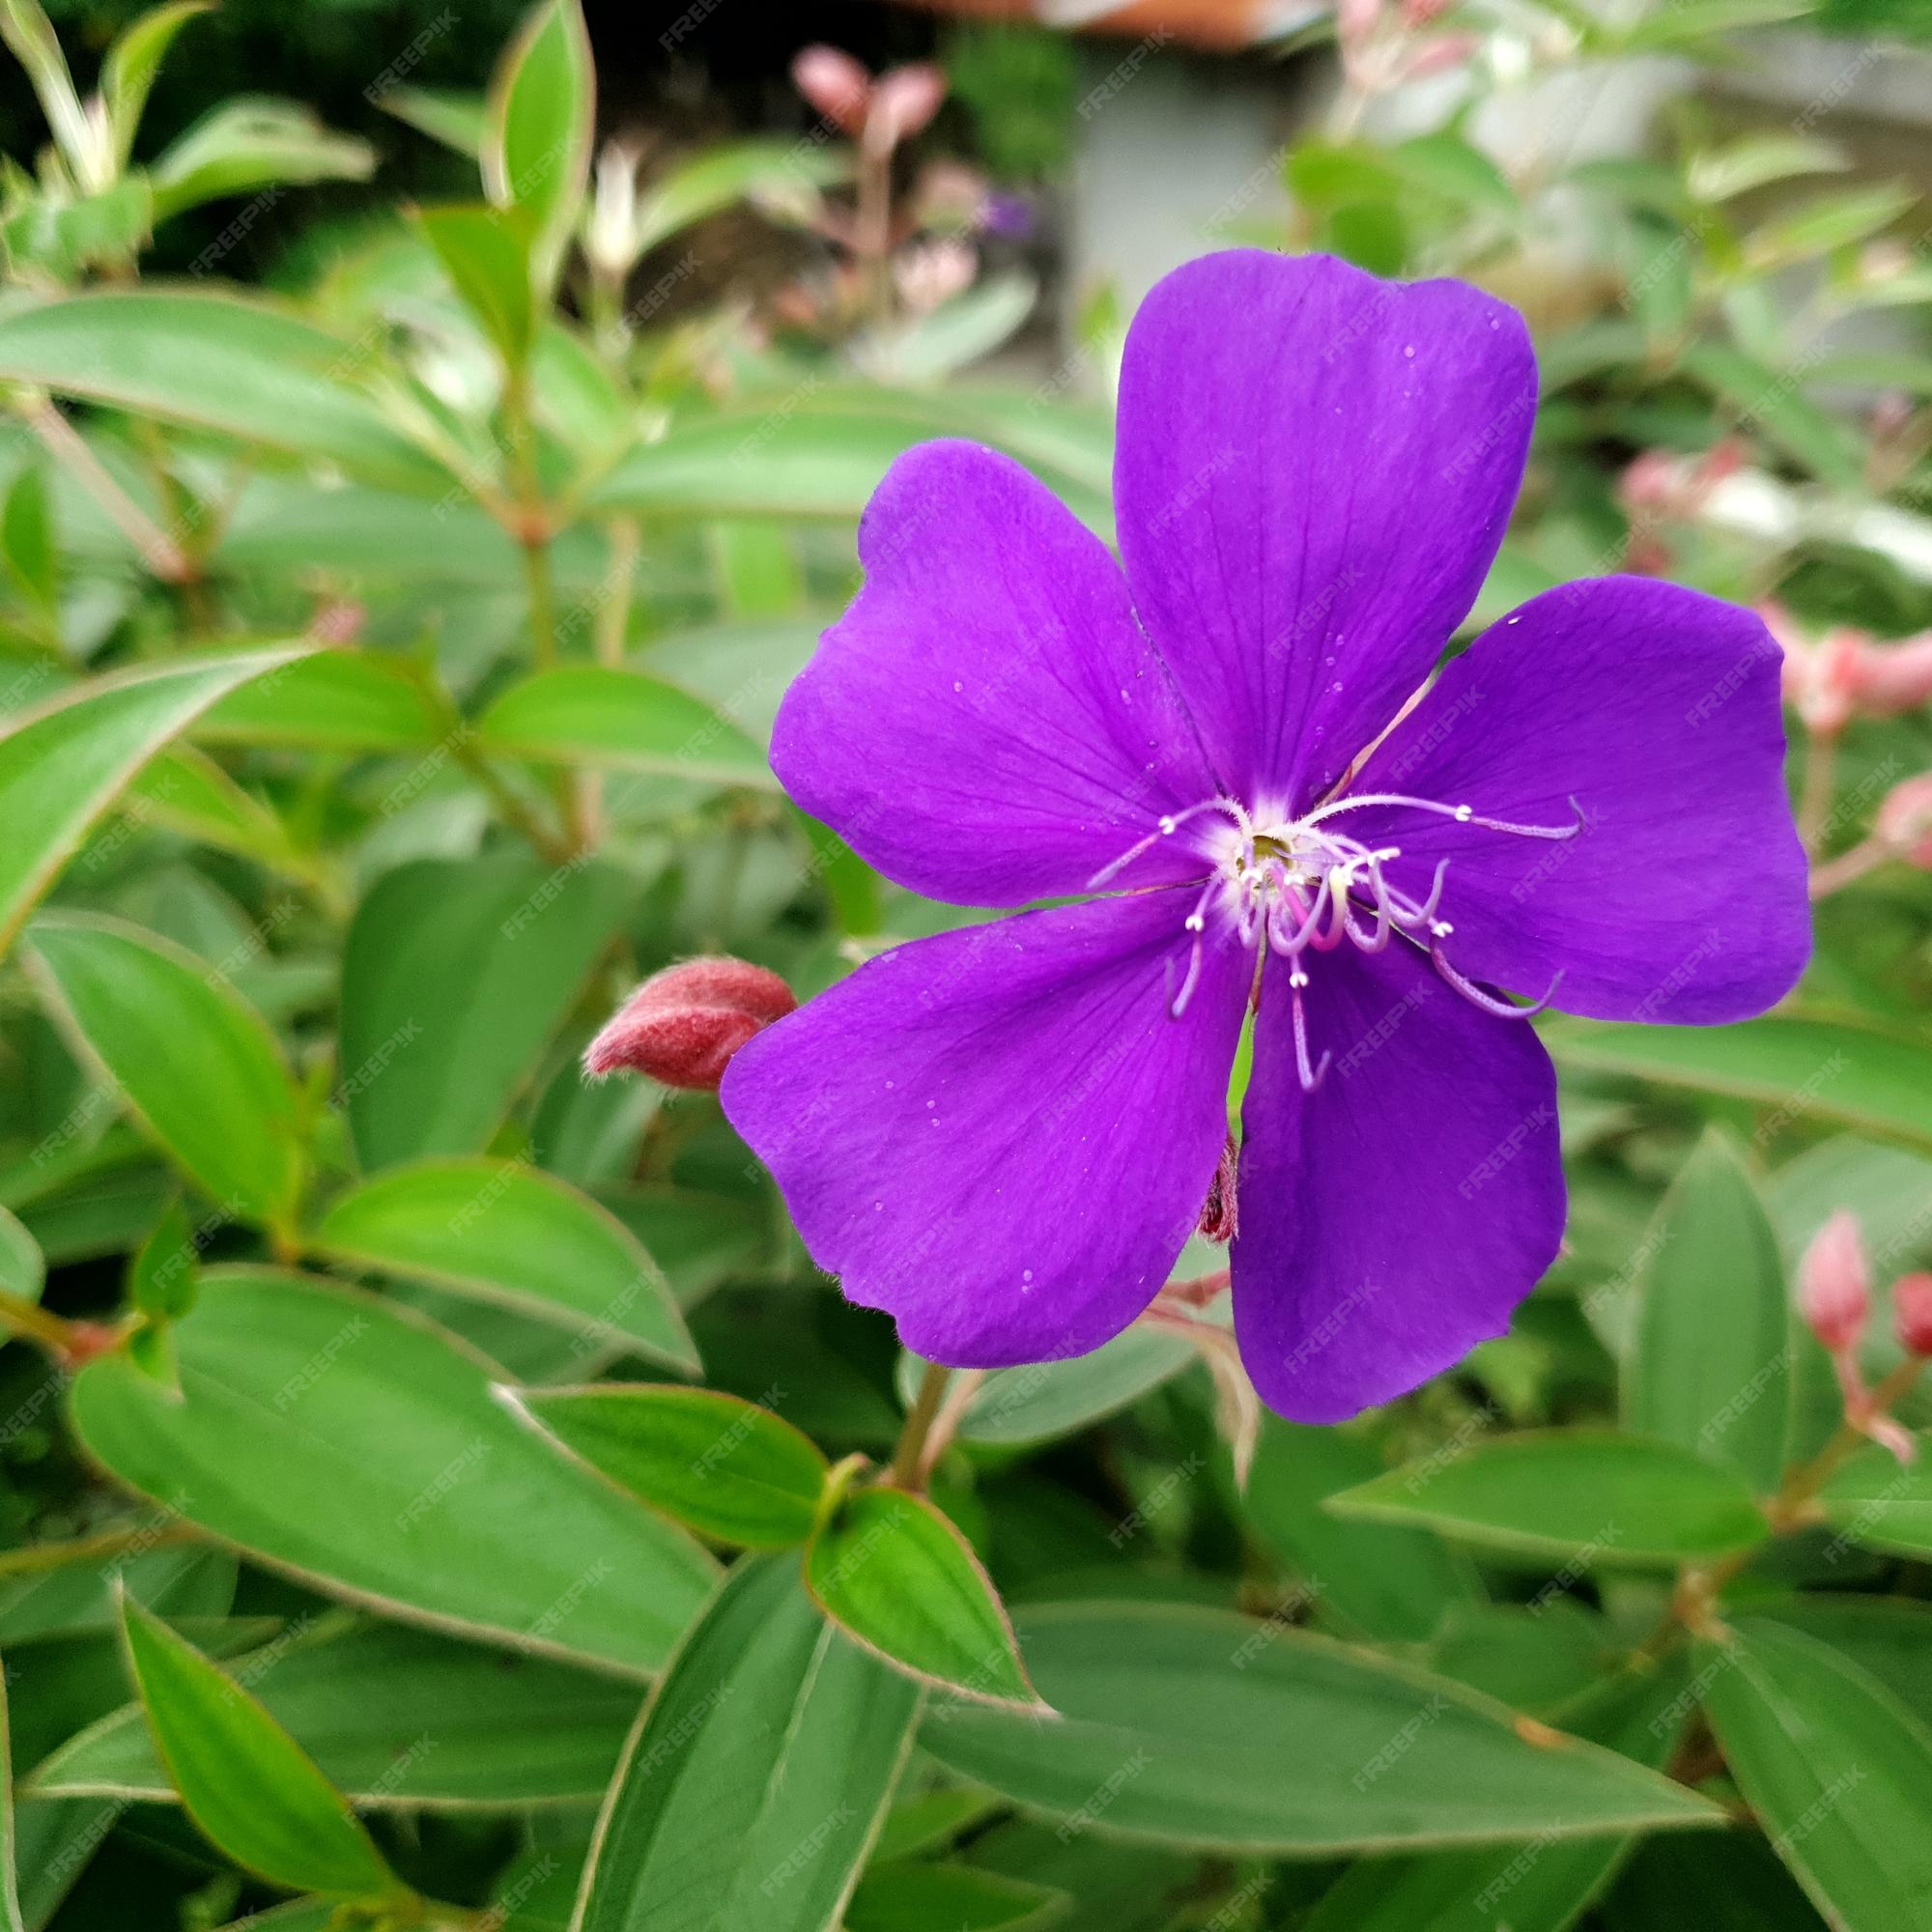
[(1005, 1135)]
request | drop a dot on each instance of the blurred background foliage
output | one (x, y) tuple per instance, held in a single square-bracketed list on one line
[(419, 485)]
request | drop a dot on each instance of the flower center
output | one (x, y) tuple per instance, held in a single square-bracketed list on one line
[(1300, 886)]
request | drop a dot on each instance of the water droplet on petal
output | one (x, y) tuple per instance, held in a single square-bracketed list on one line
[(1409, 349)]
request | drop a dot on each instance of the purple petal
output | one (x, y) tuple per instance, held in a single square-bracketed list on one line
[(999, 1135), (986, 725), (1391, 1219), (1657, 710), (1313, 475)]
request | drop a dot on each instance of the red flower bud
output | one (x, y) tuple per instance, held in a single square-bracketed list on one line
[(1834, 1283), (682, 1026), (1912, 1313)]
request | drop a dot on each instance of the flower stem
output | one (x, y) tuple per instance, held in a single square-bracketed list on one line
[(159, 551), (1814, 804), (909, 1460)]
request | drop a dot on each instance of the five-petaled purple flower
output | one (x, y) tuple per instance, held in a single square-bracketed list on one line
[(1004, 1135)]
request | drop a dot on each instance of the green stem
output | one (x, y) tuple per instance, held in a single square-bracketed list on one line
[(909, 1456)]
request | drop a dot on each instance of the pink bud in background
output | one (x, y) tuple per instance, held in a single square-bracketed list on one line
[(833, 83), (1912, 1313), (682, 1026), (1835, 1283), (1886, 679), (904, 101), (1903, 821)]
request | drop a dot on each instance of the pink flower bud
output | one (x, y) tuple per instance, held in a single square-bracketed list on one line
[(1834, 1283), (833, 83), (1912, 1313), (1886, 679), (1903, 821), (682, 1026), (904, 100)]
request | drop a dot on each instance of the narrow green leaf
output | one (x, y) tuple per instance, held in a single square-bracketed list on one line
[(515, 1236), (1388, 1582), (27, 539), (444, 114), (352, 1443), (1584, 1494), (11, 1919), (239, 147), (1539, 1885), (1872, 1500), (893, 1573), (614, 719), (213, 361), (246, 1783), (132, 62), (397, 1720), (1198, 1727), (1713, 1355), (757, 1777), (539, 125), (161, 1275), (920, 1898), (26, 29), (184, 790), (1879, 1083), (197, 1064), (23, 1268), (63, 765), (486, 252), (340, 701), (1839, 1772), (454, 977), (729, 1468)]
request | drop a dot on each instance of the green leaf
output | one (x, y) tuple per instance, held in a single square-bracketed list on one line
[(538, 127), (1583, 1494), (454, 977), (486, 252), (23, 1268), (447, 115), (893, 1573), (244, 145), (27, 539), (1388, 1582), (132, 61), (1839, 1772), (63, 765), (1872, 1500), (1827, 222), (246, 1783), (184, 790), (1877, 1082), (757, 1776), (1539, 1885), (461, 1517), (26, 29), (197, 1064), (1712, 1355), (1045, 1400), (811, 455), (920, 1898), (729, 1468), (1888, 1638), (338, 700), (213, 361), (601, 717), (1772, 402), (161, 1276), (514, 1235), (731, 171), (1202, 1728), (398, 1719), (11, 1919)]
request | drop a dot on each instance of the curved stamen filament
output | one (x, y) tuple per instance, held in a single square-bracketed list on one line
[(1463, 814), (1166, 827), (1476, 997), (1310, 1076)]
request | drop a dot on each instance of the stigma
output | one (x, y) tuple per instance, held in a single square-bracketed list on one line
[(1300, 887)]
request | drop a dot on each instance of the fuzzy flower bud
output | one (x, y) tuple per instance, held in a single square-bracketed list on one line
[(682, 1026), (1834, 1283), (833, 83), (1912, 1313)]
